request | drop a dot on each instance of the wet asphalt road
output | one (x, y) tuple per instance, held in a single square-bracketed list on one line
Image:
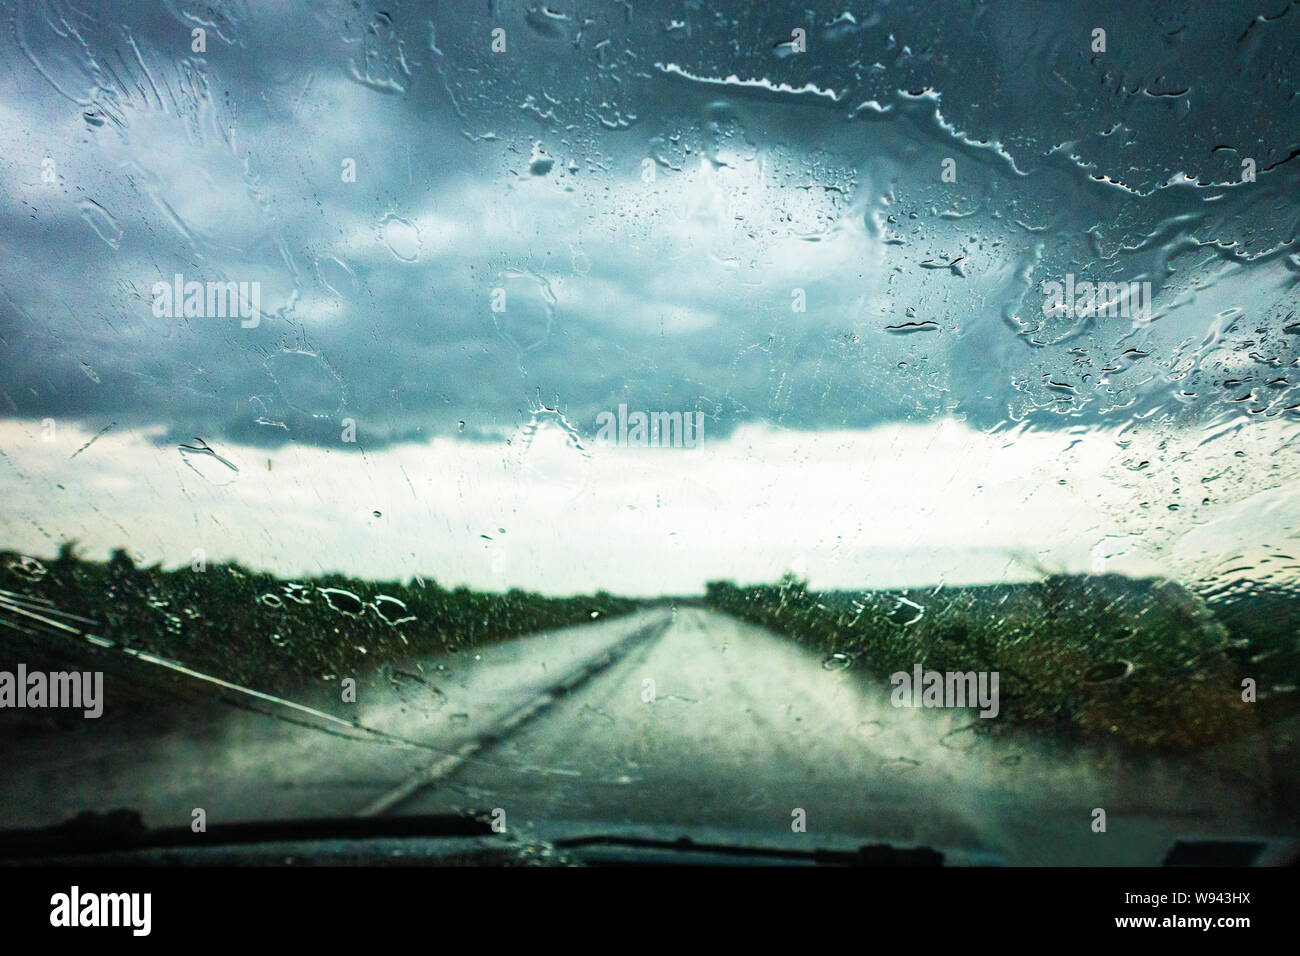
[(664, 722)]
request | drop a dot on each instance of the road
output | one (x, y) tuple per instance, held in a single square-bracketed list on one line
[(684, 719)]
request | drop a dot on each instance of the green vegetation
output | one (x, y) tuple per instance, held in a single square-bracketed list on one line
[(258, 630), (1145, 662)]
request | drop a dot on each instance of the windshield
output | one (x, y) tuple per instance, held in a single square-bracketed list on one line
[(799, 424)]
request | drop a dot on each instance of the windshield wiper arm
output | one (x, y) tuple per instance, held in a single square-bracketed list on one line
[(120, 830)]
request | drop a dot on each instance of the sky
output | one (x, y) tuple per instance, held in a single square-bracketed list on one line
[(836, 256)]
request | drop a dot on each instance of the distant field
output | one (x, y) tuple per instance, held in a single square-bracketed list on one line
[(1146, 662), (278, 636)]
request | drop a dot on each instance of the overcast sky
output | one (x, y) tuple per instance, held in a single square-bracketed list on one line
[(683, 215)]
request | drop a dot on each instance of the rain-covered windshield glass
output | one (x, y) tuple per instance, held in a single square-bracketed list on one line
[(796, 423)]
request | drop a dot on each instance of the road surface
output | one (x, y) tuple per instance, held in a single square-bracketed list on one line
[(666, 720)]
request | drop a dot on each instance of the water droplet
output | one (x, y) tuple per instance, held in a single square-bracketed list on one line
[(906, 612), (298, 593), (345, 602), (837, 662), (548, 23), (401, 237), (528, 310), (900, 763), (869, 728), (540, 162), (961, 738), (336, 276), (414, 690), (550, 456), (908, 328), (306, 381), (392, 610), (207, 463), (25, 566), (102, 221), (1108, 671)]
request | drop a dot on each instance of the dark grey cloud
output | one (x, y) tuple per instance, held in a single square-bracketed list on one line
[(677, 293)]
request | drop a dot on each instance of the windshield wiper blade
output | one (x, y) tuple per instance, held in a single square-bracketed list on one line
[(683, 848), (118, 830)]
